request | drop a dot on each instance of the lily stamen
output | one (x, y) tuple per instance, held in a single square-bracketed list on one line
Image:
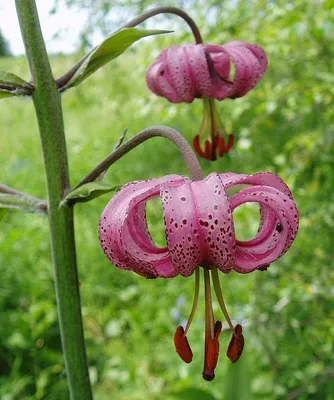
[(195, 301), (220, 298), (212, 140), (236, 344), (181, 342)]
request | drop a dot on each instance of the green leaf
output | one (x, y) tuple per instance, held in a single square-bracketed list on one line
[(17, 202), (3, 212), (121, 139), (117, 145), (12, 85), (237, 381), (111, 48), (191, 394), (88, 192)]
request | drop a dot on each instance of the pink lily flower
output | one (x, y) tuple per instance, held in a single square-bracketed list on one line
[(182, 73), (200, 232)]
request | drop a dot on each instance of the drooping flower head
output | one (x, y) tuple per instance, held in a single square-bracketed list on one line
[(182, 73), (200, 232)]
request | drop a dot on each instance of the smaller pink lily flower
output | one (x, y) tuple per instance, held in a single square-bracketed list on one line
[(200, 232), (182, 73)]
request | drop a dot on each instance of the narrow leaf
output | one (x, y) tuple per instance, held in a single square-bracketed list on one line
[(12, 85), (88, 192), (192, 393), (117, 145), (121, 139), (237, 381), (111, 48), (3, 212), (16, 202)]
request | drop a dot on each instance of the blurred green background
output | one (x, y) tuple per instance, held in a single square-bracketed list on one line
[(285, 125)]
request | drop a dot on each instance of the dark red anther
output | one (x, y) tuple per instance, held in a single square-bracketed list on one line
[(230, 143), (221, 146), (198, 148), (264, 267), (236, 345), (210, 150), (182, 345)]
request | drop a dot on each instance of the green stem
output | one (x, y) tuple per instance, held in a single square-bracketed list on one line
[(50, 119), (220, 298), (167, 10), (148, 133), (195, 301)]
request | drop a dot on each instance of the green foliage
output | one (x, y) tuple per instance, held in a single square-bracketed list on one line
[(4, 48), (108, 50), (20, 203), (88, 192), (12, 85), (285, 125)]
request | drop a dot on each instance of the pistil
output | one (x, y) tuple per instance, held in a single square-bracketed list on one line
[(212, 331)]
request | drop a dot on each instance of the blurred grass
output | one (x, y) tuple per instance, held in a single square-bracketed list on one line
[(285, 125)]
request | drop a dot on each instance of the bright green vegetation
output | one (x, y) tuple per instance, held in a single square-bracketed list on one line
[(285, 125)]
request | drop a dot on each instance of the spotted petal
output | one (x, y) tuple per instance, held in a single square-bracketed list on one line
[(250, 63), (277, 206), (181, 74), (182, 233), (159, 81), (123, 230), (199, 225)]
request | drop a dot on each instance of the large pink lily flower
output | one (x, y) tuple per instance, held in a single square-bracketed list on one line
[(182, 73), (200, 232)]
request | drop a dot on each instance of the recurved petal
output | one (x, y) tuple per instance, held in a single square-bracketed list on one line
[(220, 59), (123, 230), (270, 243), (221, 63), (247, 69), (182, 232), (259, 54), (159, 79), (269, 219), (199, 70), (215, 222), (180, 74), (250, 63), (261, 178)]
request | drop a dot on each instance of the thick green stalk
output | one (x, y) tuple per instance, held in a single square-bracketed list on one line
[(50, 119)]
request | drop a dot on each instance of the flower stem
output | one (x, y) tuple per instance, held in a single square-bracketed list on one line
[(160, 130), (40, 204), (50, 120), (167, 10), (62, 80)]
